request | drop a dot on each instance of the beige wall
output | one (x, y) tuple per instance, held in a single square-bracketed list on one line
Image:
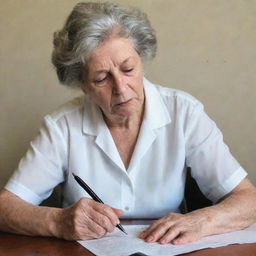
[(206, 47)]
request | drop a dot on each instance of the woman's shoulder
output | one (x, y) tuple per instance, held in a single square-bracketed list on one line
[(71, 111), (71, 108), (175, 96)]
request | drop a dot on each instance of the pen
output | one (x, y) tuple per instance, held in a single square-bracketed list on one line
[(93, 195)]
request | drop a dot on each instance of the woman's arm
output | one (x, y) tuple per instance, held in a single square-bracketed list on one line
[(18, 216), (236, 211), (84, 220)]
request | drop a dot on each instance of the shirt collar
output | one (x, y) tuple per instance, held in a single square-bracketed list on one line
[(156, 114)]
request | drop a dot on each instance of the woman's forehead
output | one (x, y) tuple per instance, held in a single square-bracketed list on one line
[(103, 64), (117, 51)]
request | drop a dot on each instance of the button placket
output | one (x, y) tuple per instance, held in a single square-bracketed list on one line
[(127, 196)]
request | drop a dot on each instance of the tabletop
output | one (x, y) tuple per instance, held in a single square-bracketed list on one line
[(19, 245)]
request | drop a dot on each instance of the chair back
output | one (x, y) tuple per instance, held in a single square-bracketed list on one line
[(194, 198)]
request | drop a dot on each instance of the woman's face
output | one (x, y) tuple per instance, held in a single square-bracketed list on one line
[(114, 79)]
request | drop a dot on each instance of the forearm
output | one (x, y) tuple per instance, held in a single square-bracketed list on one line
[(86, 219), (18, 216), (236, 211)]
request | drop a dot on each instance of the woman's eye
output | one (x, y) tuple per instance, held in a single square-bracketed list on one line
[(128, 70), (97, 81)]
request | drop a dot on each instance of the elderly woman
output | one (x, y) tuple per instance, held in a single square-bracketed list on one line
[(129, 139)]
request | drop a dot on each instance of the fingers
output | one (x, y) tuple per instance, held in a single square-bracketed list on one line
[(88, 219), (153, 233), (118, 212), (101, 220), (162, 233), (108, 216), (184, 238), (89, 230), (170, 236), (174, 228)]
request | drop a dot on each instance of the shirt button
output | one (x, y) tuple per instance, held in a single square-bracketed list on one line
[(126, 208)]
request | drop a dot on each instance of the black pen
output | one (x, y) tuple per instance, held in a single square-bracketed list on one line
[(93, 195)]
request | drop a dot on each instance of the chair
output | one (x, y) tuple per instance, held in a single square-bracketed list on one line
[(194, 198), (55, 199)]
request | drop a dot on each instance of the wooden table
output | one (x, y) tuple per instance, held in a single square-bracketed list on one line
[(18, 245)]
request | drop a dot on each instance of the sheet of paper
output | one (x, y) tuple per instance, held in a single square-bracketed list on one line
[(119, 244)]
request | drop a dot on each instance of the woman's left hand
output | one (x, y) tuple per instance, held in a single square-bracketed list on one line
[(235, 211), (177, 228)]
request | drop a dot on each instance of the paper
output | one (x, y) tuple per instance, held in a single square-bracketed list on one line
[(119, 244)]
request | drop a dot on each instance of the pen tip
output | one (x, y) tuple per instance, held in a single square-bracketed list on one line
[(122, 229), (73, 174)]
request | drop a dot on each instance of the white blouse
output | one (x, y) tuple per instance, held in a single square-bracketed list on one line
[(175, 133)]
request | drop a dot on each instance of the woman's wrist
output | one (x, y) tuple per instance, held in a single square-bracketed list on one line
[(54, 222), (205, 218)]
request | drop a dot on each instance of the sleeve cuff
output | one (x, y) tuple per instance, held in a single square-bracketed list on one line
[(23, 192), (227, 186)]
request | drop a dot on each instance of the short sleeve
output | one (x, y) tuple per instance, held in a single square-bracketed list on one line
[(212, 165), (43, 166)]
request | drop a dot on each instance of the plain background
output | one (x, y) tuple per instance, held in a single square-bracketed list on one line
[(205, 47)]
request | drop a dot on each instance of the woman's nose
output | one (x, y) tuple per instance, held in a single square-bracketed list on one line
[(119, 85)]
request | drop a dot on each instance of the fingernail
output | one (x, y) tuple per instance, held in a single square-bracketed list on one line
[(162, 241), (142, 234), (150, 239), (176, 242)]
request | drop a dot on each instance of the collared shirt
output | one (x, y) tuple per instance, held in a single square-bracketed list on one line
[(175, 133)]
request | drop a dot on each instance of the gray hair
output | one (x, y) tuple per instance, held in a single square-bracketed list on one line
[(87, 26)]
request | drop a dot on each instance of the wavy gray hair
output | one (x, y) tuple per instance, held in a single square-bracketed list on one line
[(87, 26)]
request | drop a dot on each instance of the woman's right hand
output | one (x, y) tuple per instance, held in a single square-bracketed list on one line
[(86, 219)]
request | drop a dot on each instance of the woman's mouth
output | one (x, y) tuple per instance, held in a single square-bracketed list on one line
[(124, 103)]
